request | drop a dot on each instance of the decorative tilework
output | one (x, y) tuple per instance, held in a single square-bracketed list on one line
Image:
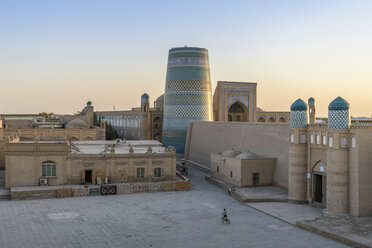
[(298, 119), (188, 85), (338, 119), (187, 62), (187, 94)]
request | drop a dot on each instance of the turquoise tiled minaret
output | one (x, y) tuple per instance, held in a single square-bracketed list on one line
[(338, 114), (188, 95), (144, 98), (298, 114)]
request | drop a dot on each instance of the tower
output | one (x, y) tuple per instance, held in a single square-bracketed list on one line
[(297, 168), (145, 106), (145, 117), (311, 103), (338, 157), (187, 94)]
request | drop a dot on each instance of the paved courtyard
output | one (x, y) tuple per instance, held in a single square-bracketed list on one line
[(164, 219)]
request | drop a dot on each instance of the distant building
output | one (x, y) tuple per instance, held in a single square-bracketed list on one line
[(141, 123), (59, 127), (237, 102)]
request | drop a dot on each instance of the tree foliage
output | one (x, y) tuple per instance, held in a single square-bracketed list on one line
[(111, 133)]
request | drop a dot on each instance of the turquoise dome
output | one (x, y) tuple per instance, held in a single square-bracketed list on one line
[(89, 103), (311, 99), (299, 105), (338, 104), (145, 96)]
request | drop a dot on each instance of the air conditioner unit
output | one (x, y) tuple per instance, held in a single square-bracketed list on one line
[(43, 181)]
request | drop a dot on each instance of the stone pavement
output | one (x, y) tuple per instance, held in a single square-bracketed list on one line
[(288, 212), (162, 219), (253, 194), (348, 229)]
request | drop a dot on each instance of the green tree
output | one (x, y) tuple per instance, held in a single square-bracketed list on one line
[(111, 133)]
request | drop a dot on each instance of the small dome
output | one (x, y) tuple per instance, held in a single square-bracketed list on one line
[(76, 123), (144, 95), (159, 103), (231, 153), (247, 155), (338, 104), (89, 103), (299, 105), (311, 102), (311, 99)]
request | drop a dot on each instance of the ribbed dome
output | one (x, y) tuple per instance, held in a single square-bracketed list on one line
[(247, 155), (76, 123), (338, 104), (231, 153), (299, 105)]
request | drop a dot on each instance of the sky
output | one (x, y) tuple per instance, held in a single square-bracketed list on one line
[(57, 55)]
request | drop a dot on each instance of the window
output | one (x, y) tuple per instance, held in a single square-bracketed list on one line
[(48, 169), (302, 138), (353, 142), (158, 172), (324, 140), (140, 172), (292, 138), (318, 139), (330, 141), (312, 139), (218, 169), (230, 173), (343, 142)]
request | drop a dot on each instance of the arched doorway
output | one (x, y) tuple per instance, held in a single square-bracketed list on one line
[(157, 123), (319, 183), (237, 112)]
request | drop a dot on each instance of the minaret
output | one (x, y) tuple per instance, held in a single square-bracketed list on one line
[(145, 118), (145, 106), (297, 166), (188, 94), (338, 157), (311, 103)]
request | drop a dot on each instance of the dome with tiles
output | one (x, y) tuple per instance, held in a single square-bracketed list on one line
[(299, 105), (144, 98), (338, 104)]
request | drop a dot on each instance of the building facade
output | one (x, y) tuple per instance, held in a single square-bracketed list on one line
[(142, 123), (187, 94), (329, 164), (237, 102), (87, 162)]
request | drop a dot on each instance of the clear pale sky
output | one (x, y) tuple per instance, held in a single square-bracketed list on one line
[(57, 55)]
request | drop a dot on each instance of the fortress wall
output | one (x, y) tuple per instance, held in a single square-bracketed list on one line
[(267, 139)]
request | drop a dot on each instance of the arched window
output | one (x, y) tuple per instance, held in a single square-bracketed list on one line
[(48, 169), (282, 119), (271, 119), (261, 119)]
